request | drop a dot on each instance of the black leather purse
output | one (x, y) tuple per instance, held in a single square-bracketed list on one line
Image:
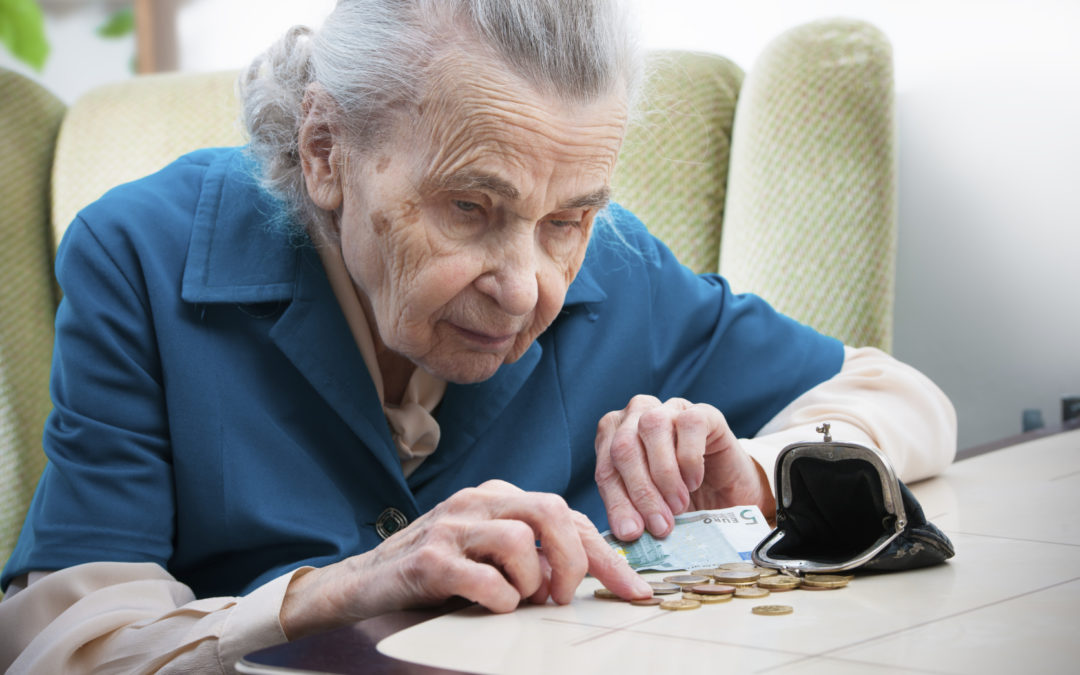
[(841, 507)]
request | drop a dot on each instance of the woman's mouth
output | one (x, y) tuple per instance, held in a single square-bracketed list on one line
[(485, 340)]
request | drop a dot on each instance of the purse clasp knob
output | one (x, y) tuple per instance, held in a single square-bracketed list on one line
[(824, 429)]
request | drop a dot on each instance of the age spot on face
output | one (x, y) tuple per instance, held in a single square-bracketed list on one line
[(383, 164), (380, 224)]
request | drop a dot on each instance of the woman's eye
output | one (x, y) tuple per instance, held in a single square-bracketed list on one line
[(467, 207), (564, 223)]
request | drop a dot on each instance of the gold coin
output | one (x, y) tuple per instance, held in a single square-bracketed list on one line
[(752, 592), (772, 610), (780, 582), (676, 604), (766, 572), (686, 579), (711, 589), (825, 580), (737, 567), (605, 594), (647, 602), (737, 577), (706, 599), (663, 588)]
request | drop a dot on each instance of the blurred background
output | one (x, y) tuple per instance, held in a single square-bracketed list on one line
[(988, 97)]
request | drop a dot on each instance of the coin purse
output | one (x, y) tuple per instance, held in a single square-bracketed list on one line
[(841, 507)]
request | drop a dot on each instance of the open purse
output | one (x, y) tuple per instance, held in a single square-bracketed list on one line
[(841, 507)]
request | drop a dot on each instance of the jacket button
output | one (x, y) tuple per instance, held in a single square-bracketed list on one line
[(390, 521)]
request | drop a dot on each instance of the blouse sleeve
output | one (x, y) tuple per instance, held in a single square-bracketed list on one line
[(876, 401), (132, 617)]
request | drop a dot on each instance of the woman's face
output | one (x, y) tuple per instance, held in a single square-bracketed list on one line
[(464, 230)]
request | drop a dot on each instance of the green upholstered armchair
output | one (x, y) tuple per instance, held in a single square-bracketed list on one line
[(783, 179)]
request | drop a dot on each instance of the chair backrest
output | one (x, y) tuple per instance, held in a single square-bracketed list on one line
[(119, 132), (812, 200), (673, 168), (29, 119)]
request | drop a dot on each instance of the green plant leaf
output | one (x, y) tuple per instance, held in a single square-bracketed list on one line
[(22, 31), (119, 24)]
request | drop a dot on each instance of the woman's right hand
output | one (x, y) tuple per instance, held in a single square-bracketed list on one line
[(479, 544)]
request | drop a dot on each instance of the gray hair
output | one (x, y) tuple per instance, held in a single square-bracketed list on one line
[(371, 55)]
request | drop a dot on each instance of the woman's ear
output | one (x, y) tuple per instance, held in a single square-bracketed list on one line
[(321, 152)]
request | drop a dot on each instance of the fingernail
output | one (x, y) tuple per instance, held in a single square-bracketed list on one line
[(625, 529), (657, 524)]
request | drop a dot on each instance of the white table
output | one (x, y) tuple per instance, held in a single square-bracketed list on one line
[(1007, 603)]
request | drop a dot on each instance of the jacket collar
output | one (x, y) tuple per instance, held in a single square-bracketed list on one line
[(239, 250)]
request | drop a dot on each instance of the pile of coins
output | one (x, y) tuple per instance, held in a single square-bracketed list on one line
[(731, 580)]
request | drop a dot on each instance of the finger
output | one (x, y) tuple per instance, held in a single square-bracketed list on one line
[(628, 457), (541, 595), (656, 429), (610, 568), (626, 522), (691, 432), (481, 583), (509, 546), (551, 523)]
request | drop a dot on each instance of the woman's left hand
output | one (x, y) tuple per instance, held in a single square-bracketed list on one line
[(656, 459)]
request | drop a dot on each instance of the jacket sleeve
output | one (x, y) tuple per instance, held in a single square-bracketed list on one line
[(131, 617), (876, 401)]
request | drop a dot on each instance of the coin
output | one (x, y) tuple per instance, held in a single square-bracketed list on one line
[(825, 580), (647, 602), (737, 577), (772, 610), (686, 579), (676, 604), (752, 592), (711, 589), (780, 582), (706, 599), (766, 572), (737, 566), (663, 588), (605, 594)]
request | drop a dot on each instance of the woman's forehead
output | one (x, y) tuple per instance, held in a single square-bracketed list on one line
[(486, 125)]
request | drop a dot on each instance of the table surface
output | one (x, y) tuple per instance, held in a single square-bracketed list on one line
[(1006, 603)]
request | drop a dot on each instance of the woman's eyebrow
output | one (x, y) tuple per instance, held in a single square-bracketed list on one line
[(463, 181), (477, 180), (598, 198)]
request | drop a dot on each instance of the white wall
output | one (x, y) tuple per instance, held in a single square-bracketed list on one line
[(988, 98)]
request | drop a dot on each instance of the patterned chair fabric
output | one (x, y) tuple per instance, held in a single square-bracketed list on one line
[(810, 202), (812, 199), (29, 119), (673, 167)]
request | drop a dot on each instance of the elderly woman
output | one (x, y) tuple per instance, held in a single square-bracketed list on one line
[(371, 360)]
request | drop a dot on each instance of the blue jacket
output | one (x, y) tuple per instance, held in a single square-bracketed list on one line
[(212, 412)]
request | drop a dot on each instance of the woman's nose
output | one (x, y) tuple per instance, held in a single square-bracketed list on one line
[(513, 277)]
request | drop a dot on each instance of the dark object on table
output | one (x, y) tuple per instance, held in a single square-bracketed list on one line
[(841, 507)]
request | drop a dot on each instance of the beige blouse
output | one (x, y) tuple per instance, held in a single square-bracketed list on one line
[(135, 617)]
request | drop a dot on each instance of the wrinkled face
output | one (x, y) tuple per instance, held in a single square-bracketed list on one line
[(464, 230)]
